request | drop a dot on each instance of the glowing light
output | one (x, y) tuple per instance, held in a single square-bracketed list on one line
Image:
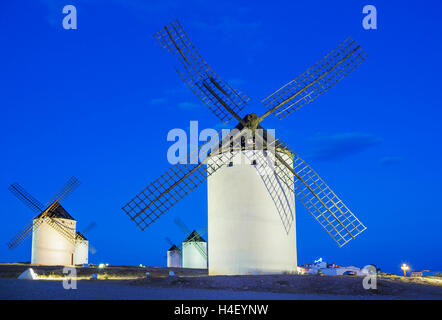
[(404, 267), (101, 266)]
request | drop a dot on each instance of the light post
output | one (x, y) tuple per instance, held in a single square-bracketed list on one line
[(404, 267)]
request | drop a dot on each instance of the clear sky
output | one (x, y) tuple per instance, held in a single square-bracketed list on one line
[(98, 102)]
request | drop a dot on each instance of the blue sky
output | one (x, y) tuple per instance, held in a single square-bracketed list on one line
[(98, 102)]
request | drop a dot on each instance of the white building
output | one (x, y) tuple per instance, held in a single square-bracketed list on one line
[(174, 257), (81, 254), (251, 216), (49, 247), (194, 252)]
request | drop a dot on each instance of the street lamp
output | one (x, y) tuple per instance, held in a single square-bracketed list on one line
[(404, 267)]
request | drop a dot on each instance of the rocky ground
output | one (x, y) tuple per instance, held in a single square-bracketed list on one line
[(199, 285)]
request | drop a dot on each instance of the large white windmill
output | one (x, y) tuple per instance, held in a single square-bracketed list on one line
[(252, 175), (53, 229)]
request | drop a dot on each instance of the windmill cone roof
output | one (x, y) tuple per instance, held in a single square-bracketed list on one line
[(174, 248), (60, 212), (194, 237), (278, 146), (80, 236)]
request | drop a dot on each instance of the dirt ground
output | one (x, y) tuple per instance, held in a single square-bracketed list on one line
[(185, 280)]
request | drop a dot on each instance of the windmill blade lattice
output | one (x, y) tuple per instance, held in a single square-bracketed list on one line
[(315, 81), (196, 73), (325, 206), (45, 215), (24, 196), (151, 203)]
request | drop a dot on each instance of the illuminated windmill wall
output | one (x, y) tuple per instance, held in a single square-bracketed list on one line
[(256, 198)]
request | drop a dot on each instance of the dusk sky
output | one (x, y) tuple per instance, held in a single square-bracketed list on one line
[(97, 103)]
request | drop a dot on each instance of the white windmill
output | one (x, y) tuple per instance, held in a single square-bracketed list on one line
[(174, 255), (53, 229), (252, 175)]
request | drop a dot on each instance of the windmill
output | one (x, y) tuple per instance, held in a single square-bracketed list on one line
[(194, 247), (173, 255), (82, 246), (53, 229), (245, 209), (192, 251)]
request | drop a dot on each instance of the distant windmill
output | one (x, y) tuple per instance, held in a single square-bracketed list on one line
[(173, 255), (82, 246), (192, 252), (194, 247), (53, 229), (245, 209)]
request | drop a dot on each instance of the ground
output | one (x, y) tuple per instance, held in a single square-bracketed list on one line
[(125, 282)]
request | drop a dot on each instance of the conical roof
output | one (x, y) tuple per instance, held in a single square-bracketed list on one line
[(194, 237), (80, 236), (60, 212), (174, 248), (279, 147)]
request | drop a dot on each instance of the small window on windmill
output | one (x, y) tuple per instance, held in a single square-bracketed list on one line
[(230, 164), (253, 162)]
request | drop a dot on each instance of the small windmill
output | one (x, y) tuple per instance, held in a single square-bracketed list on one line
[(241, 229), (194, 247), (83, 246), (173, 255), (53, 228)]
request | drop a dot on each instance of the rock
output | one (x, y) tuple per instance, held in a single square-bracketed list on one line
[(29, 274)]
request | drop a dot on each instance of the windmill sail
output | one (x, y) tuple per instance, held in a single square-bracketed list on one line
[(45, 215), (196, 73), (26, 198), (325, 206), (20, 237), (315, 81), (151, 203)]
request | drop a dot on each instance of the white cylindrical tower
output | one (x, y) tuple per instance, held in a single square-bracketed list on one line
[(251, 216), (81, 254), (194, 252), (49, 247), (174, 257)]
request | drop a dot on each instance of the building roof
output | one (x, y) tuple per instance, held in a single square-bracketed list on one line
[(60, 212), (279, 147), (174, 248), (194, 237), (80, 236)]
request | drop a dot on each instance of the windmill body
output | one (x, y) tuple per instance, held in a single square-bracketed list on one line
[(194, 252), (174, 257), (81, 255), (49, 247), (251, 219)]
